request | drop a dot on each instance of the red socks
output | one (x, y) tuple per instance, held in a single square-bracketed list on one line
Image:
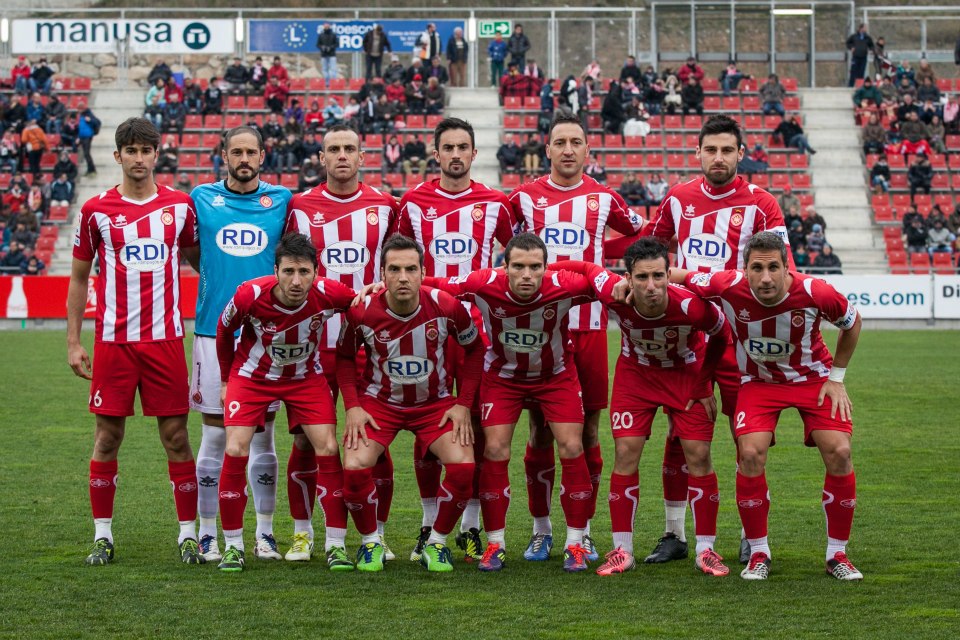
[(103, 488), (183, 477), (623, 499), (541, 473), (233, 492), (674, 472), (595, 469), (301, 482), (753, 504), (495, 493), (329, 484), (704, 498), (360, 497), (453, 496), (383, 480), (839, 502), (576, 493), (427, 469)]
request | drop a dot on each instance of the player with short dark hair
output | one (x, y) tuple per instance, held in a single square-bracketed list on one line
[(775, 317), (457, 222), (276, 358), (571, 213), (348, 222), (138, 232), (404, 330)]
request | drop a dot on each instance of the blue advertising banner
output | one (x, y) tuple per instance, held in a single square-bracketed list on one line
[(300, 36)]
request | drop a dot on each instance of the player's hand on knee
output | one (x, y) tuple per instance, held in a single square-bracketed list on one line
[(839, 401), (79, 361), (355, 431), (709, 404), (459, 415)]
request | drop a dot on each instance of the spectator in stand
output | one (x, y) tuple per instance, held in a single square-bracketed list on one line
[(15, 115), (9, 152), (160, 70), (216, 157), (88, 126), (294, 113), (36, 110), (936, 213), (10, 263), (213, 98), (920, 175), (882, 64), (41, 77), (800, 256), (795, 233), (327, 44), (61, 191), (631, 70), (908, 216), (278, 71), (37, 203), (927, 91), (611, 112), (811, 218), (757, 161), (32, 266), (56, 112), (889, 91), (916, 236), (428, 44), (291, 153), (414, 154), (14, 197), (518, 46), (654, 96), (533, 152), (157, 90), (815, 239), (394, 71), (396, 95), (174, 115), (25, 235), (547, 104), (674, 98), (311, 146), (34, 142), (874, 136), (66, 166), (273, 127), (592, 70), (913, 135), (154, 112), (790, 131), (384, 115), (906, 87), (192, 96), (236, 76), (924, 71), (271, 156), (351, 113), (632, 191), (937, 135), (414, 95), (375, 46), (772, 93), (312, 173), (70, 131), (434, 97), (731, 78), (20, 76), (183, 183), (457, 51), (859, 44), (392, 155), (258, 75), (168, 158), (827, 262), (497, 52), (172, 89), (416, 68), (939, 238), (648, 77), (907, 106), (509, 155), (584, 100), (953, 220), (690, 69), (867, 92), (313, 118), (657, 189), (515, 84), (951, 114), (595, 170), (880, 175), (437, 70), (275, 95), (692, 96)]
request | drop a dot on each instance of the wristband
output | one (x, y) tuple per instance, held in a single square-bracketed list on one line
[(837, 373)]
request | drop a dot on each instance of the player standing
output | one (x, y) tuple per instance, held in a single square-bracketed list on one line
[(571, 212), (347, 221), (775, 316), (404, 330), (456, 221), (138, 231), (239, 221), (713, 218), (276, 358)]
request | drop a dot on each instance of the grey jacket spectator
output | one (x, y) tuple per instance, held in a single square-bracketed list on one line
[(772, 90), (236, 75), (509, 154), (827, 261), (518, 45)]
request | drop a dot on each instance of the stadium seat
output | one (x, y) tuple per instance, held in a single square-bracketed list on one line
[(433, 121), (671, 123), (373, 140), (511, 121), (711, 84), (711, 103), (81, 85), (753, 123), (653, 141), (673, 141), (633, 142), (751, 103), (779, 180), (298, 85), (762, 180), (413, 180), (614, 161), (395, 180), (614, 180), (883, 215), (510, 181), (799, 161), (676, 161), (236, 103), (232, 120), (898, 262), (315, 85), (944, 200), (213, 122), (190, 141), (530, 122), (801, 181), (164, 179), (337, 84), (57, 214), (595, 140), (210, 140), (894, 243), (901, 200), (920, 263), (942, 263), (791, 103), (634, 161), (373, 179), (193, 122), (48, 231), (188, 161), (654, 160), (513, 103), (611, 141), (289, 180), (372, 160), (355, 84), (256, 103), (777, 161), (531, 103), (730, 104)]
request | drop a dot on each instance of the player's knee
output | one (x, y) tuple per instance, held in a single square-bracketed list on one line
[(176, 441), (838, 459), (570, 449), (302, 442), (498, 451), (355, 463)]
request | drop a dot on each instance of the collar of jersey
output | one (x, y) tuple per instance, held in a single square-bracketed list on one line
[(153, 197), (453, 196), (562, 188), (720, 196), (519, 301), (332, 196)]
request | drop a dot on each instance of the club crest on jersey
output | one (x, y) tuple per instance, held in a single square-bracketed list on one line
[(477, 213), (432, 332), (565, 238), (689, 213), (408, 369), (670, 333), (523, 340), (218, 201), (266, 201), (593, 202), (318, 218), (270, 327), (144, 254), (798, 318), (430, 214), (120, 220), (761, 349), (373, 216), (166, 217), (286, 354), (345, 257), (197, 397), (453, 248), (316, 322), (736, 216), (706, 250), (549, 314)]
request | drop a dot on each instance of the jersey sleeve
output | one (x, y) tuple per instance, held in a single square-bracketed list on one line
[(296, 221), (346, 370), (505, 223), (87, 237), (662, 225), (771, 219), (621, 219), (581, 287), (230, 320), (462, 287), (339, 295), (190, 234), (404, 226), (516, 208), (833, 305), (710, 285), (705, 316)]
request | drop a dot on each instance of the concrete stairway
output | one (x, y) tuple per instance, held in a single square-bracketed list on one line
[(481, 108), (837, 172), (111, 106)]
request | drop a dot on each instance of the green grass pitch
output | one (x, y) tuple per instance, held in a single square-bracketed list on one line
[(906, 452)]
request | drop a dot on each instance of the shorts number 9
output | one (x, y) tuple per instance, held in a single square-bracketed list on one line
[(233, 408)]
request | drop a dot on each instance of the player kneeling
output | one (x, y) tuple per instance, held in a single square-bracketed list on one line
[(404, 386), (280, 318)]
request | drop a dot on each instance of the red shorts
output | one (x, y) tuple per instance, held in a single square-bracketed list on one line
[(308, 401), (423, 421), (503, 399), (760, 403), (593, 368), (157, 369), (637, 394), (727, 376)]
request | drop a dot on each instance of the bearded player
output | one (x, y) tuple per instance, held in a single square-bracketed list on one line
[(405, 329), (456, 221), (347, 221), (570, 212), (775, 317)]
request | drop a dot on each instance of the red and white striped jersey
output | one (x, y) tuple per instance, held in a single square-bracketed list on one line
[(780, 343), (406, 362), (572, 221), (528, 338), (347, 232), (713, 227), (276, 342), (456, 230), (138, 244)]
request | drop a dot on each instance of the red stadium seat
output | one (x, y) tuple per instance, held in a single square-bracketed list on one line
[(373, 179), (676, 161), (189, 161), (193, 122), (337, 84), (942, 263), (777, 161), (355, 84), (779, 180), (654, 160), (531, 103), (633, 142), (614, 161), (751, 103), (510, 181), (57, 214), (711, 103), (433, 121), (81, 84), (373, 140), (513, 103), (884, 214), (210, 140), (298, 85), (752, 123), (920, 263), (190, 141), (711, 84), (256, 103), (799, 161), (790, 84), (611, 141), (595, 140), (164, 179), (671, 123), (289, 180), (674, 141), (236, 103), (801, 181), (730, 104), (232, 120), (511, 121), (653, 141), (315, 85), (213, 122), (791, 103), (634, 160)]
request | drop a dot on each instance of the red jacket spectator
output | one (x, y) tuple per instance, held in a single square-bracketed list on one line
[(172, 88), (313, 118), (514, 84), (691, 68), (278, 91), (20, 70), (278, 71), (396, 92)]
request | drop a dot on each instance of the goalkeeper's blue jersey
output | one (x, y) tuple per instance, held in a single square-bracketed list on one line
[(238, 233)]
